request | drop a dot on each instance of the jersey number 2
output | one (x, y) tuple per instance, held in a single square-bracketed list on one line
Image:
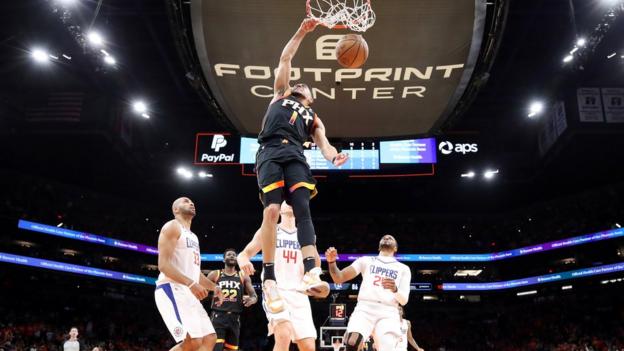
[(289, 255), (377, 281)]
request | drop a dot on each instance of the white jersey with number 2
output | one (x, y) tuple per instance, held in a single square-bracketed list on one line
[(374, 269)]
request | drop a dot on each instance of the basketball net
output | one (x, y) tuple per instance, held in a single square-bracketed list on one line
[(357, 15)]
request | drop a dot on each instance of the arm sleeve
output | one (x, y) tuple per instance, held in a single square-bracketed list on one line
[(359, 265), (403, 289)]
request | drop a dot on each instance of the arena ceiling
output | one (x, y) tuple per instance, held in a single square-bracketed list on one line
[(422, 57)]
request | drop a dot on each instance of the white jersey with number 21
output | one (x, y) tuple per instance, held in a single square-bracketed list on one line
[(374, 269)]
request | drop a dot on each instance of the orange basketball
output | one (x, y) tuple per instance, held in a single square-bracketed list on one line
[(352, 51)]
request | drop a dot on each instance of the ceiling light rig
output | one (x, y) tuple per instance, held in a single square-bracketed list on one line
[(535, 109), (584, 47), (91, 41)]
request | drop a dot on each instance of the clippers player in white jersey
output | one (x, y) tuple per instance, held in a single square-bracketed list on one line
[(385, 286), (181, 284), (406, 334), (294, 323)]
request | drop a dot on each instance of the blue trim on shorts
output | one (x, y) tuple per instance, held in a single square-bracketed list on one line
[(169, 292)]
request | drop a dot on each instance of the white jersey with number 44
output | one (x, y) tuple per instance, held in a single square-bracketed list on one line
[(288, 260), (374, 269)]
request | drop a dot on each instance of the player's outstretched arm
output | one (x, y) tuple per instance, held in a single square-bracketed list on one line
[(282, 78), (329, 152), (338, 275), (252, 249), (167, 239)]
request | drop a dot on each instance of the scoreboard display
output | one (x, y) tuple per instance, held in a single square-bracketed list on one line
[(363, 156), (408, 151)]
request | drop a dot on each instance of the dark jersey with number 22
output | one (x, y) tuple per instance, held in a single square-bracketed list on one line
[(232, 287)]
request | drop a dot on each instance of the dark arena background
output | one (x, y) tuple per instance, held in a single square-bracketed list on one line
[(486, 136)]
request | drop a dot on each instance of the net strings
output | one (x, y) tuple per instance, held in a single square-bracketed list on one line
[(356, 15)]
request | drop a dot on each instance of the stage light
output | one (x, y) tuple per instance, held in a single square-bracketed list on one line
[(66, 2), (611, 55), (203, 174), (489, 174), (109, 60), (139, 106), (40, 55), (535, 108), (185, 173), (145, 115), (581, 42), (95, 38), (566, 287), (568, 58), (67, 57), (524, 293), (573, 50), (618, 225), (470, 174)]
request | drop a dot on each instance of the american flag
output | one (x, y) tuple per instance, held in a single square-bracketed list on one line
[(56, 106)]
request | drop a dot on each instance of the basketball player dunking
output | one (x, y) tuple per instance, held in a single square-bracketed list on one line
[(406, 334), (181, 284), (284, 174), (385, 286), (295, 322), (225, 315)]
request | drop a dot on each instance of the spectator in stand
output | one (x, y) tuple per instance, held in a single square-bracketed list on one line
[(72, 344)]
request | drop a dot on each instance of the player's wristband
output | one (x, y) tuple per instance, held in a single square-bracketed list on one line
[(191, 285), (334, 159), (331, 261)]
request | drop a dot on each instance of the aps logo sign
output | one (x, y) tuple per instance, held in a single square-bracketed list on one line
[(447, 148)]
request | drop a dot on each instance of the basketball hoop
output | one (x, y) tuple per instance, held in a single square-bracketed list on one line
[(357, 15)]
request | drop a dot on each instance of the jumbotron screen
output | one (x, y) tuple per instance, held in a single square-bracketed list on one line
[(362, 155)]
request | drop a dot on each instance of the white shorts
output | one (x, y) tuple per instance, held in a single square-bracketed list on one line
[(298, 312), (378, 320), (182, 312)]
